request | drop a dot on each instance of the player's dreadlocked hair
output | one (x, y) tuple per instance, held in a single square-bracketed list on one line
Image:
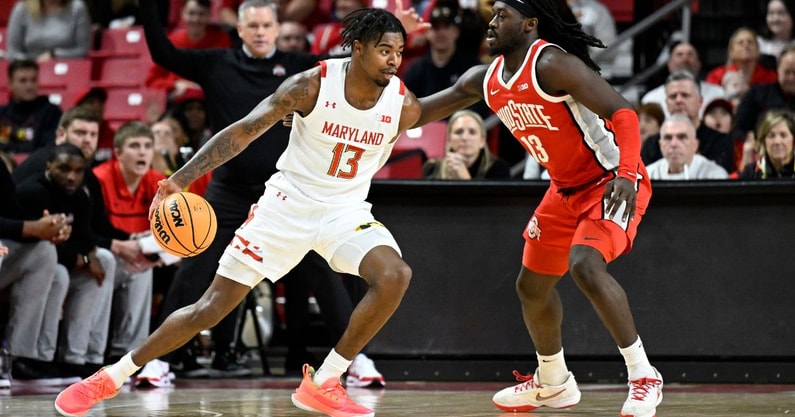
[(365, 25), (558, 25)]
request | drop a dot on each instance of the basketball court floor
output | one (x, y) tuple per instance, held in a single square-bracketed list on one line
[(270, 397)]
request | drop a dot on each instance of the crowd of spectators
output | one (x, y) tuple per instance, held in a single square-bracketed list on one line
[(727, 122)]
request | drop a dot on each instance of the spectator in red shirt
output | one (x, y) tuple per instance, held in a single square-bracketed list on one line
[(743, 56), (129, 184), (328, 36), (197, 32)]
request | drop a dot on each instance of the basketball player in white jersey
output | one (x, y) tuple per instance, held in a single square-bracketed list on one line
[(348, 113)]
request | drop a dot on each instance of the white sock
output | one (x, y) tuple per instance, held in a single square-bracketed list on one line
[(121, 370), (552, 369), (638, 365), (333, 367)]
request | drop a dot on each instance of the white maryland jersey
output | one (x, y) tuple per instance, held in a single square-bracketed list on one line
[(335, 151)]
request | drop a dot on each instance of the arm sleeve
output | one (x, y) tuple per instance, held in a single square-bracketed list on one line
[(159, 78), (82, 35), (627, 130), (10, 226), (15, 33), (190, 64), (48, 126)]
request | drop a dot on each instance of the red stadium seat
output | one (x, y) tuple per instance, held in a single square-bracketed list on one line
[(71, 74), (3, 31), (122, 71), (5, 11), (126, 105), (3, 74), (65, 99), (430, 139), (623, 11), (403, 166), (128, 41)]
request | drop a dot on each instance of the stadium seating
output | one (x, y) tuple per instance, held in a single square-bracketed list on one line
[(430, 139), (122, 42), (65, 99), (403, 166), (5, 11), (121, 71), (64, 74), (3, 31), (128, 104), (412, 149), (3, 74)]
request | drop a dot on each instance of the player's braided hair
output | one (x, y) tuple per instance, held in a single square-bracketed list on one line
[(558, 25), (365, 25)]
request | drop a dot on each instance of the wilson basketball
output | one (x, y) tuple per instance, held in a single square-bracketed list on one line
[(184, 224)]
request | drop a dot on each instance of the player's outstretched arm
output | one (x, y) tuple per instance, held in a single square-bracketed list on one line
[(562, 73), (296, 93), (467, 91), (410, 113), (558, 73)]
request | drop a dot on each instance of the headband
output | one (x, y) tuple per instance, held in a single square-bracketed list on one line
[(523, 6)]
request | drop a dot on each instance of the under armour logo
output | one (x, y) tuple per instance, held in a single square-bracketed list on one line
[(281, 195), (331, 104)]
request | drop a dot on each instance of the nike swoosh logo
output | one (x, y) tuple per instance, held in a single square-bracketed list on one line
[(493, 92), (540, 397)]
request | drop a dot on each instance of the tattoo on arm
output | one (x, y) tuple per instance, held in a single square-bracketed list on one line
[(232, 140)]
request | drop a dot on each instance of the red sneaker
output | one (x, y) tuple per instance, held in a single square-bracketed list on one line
[(78, 398), (330, 398)]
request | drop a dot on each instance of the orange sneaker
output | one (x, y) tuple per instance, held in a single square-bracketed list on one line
[(78, 398), (330, 398)]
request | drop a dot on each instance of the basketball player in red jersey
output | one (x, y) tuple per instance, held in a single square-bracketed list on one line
[(546, 89)]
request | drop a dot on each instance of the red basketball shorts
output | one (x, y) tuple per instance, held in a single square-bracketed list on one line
[(577, 217)]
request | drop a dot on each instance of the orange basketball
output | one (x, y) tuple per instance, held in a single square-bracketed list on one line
[(184, 224)]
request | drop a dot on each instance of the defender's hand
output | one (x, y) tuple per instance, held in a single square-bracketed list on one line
[(618, 191)]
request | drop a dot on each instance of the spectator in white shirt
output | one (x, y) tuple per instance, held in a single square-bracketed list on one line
[(684, 57), (680, 161)]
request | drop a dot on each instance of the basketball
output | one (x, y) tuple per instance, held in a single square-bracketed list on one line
[(184, 224)]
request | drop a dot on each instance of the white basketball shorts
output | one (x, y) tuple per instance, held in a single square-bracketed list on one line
[(284, 225)]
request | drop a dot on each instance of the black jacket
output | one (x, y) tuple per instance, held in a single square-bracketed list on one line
[(758, 100), (233, 85), (28, 125), (36, 194)]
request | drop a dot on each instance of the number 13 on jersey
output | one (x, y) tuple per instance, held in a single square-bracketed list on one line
[(345, 169), (534, 147)]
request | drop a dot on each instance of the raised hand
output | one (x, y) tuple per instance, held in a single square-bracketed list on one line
[(411, 21)]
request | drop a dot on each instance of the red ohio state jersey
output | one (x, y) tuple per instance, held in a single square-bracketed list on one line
[(574, 144)]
